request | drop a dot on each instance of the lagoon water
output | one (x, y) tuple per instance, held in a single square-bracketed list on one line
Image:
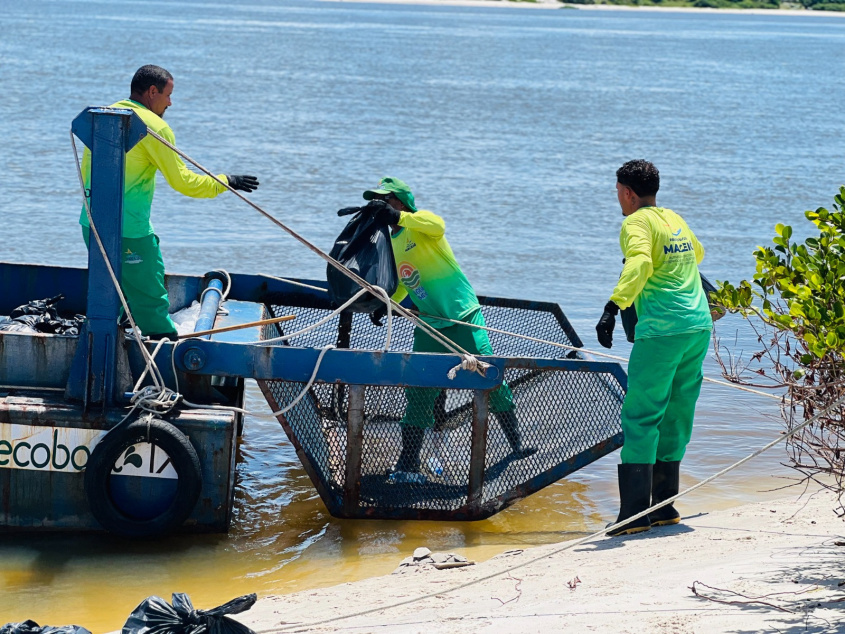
[(510, 123)]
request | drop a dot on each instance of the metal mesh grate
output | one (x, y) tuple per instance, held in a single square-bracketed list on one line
[(539, 320), (452, 463), (562, 414)]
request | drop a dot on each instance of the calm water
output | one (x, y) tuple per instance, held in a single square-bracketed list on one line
[(510, 123)]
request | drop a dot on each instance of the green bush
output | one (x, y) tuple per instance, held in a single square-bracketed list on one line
[(824, 5), (828, 6), (796, 304)]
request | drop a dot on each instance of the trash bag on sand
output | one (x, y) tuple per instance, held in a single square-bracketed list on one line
[(157, 616), (31, 627), (363, 247)]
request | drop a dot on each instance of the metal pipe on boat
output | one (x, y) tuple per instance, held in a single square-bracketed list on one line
[(210, 298)]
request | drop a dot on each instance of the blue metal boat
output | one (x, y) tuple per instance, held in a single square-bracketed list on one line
[(77, 452)]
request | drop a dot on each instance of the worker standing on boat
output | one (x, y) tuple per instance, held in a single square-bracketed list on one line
[(142, 278), (660, 277), (431, 276)]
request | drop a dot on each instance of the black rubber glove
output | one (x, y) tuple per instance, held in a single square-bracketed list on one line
[(388, 216), (377, 315), (348, 211), (242, 182), (382, 212), (604, 329)]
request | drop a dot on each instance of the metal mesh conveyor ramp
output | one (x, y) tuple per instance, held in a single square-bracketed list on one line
[(349, 436)]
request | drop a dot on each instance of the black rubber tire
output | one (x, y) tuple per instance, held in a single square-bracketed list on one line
[(183, 457)]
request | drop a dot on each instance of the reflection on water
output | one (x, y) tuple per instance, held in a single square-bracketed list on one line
[(509, 123)]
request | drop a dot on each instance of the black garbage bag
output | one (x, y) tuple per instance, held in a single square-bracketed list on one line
[(23, 323), (38, 307), (31, 627), (157, 616), (41, 315), (363, 247), (629, 315)]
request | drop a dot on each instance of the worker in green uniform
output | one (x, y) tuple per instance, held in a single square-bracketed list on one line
[(438, 288), (142, 278), (660, 277)]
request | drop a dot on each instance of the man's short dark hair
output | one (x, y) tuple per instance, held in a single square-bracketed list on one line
[(149, 75), (641, 176)]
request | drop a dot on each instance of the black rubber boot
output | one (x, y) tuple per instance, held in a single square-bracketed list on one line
[(510, 426), (664, 485), (412, 442), (634, 496)]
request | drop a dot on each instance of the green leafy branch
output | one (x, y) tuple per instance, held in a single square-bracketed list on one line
[(801, 286), (798, 294)]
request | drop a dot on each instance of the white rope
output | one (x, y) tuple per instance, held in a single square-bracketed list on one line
[(572, 544), (334, 314), (158, 398), (470, 364), (596, 353), (239, 410), (430, 330), (308, 385), (294, 282), (159, 394), (305, 330), (221, 310)]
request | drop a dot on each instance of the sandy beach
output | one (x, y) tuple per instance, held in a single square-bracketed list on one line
[(776, 566), (555, 4)]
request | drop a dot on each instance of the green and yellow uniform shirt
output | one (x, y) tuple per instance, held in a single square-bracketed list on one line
[(428, 271), (142, 161), (660, 276)]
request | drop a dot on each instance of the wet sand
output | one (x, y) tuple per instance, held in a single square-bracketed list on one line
[(783, 559)]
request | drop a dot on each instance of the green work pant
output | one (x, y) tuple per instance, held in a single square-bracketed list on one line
[(142, 281), (420, 410), (664, 380)]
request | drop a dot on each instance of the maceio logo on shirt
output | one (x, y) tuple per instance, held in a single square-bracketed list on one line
[(410, 277), (677, 247), (677, 243)]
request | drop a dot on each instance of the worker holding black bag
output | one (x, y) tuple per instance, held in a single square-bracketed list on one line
[(431, 276), (660, 277)]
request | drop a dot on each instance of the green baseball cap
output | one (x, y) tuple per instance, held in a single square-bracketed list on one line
[(390, 185)]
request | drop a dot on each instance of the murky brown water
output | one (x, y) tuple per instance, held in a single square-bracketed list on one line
[(509, 123), (283, 540)]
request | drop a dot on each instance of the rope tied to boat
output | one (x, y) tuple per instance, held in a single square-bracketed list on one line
[(364, 284), (470, 364), (568, 545), (161, 398)]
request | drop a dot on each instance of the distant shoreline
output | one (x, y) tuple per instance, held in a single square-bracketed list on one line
[(554, 4)]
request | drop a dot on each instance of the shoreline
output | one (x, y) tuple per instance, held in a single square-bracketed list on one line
[(554, 4), (786, 553)]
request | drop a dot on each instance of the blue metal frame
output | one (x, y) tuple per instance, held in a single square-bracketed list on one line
[(109, 133)]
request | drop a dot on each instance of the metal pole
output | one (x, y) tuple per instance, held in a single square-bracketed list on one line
[(354, 450), (210, 304), (108, 133), (478, 457)]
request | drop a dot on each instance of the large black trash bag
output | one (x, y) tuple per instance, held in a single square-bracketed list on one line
[(41, 315), (31, 627), (363, 247), (157, 616), (629, 315)]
